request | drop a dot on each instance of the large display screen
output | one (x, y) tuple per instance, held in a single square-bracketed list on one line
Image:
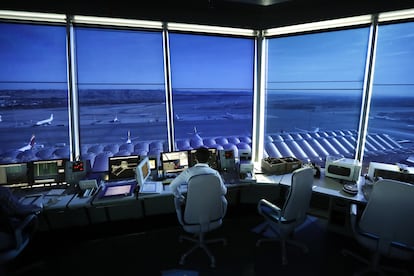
[(14, 175), (212, 161), (174, 162), (48, 172), (122, 167)]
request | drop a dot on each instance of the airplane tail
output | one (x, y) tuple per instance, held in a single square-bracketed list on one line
[(129, 138), (32, 141)]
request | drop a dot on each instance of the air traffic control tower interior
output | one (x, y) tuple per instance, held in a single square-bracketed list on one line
[(89, 91)]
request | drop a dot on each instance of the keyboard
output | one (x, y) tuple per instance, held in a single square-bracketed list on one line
[(230, 177), (151, 187), (167, 181)]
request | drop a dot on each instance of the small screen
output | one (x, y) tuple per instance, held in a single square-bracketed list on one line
[(228, 154), (153, 163), (174, 162), (48, 172), (14, 175), (78, 166), (227, 160), (118, 190), (122, 167), (212, 161), (143, 171)]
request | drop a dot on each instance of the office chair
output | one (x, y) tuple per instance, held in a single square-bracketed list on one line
[(204, 211), (386, 227), (285, 220), (15, 234)]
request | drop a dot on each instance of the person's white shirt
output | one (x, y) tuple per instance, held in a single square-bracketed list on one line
[(183, 178)]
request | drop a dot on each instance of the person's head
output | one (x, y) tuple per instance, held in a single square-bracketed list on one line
[(202, 155)]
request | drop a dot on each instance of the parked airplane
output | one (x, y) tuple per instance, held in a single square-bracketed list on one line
[(46, 121), (30, 145), (195, 131), (129, 139), (229, 116), (115, 120), (178, 118), (195, 134)]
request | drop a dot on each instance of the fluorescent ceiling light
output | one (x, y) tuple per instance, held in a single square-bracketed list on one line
[(210, 29), (32, 16), (321, 25), (117, 22), (396, 15)]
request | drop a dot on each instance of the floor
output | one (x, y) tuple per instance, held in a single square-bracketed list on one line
[(150, 247)]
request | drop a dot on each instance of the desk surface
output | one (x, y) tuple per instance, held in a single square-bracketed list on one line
[(323, 185)]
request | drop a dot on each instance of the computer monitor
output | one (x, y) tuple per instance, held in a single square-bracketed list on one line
[(122, 167), (174, 162), (14, 175), (77, 170), (153, 163), (227, 160), (143, 171), (212, 161), (48, 172)]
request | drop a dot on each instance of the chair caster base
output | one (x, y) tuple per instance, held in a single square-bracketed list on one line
[(284, 261)]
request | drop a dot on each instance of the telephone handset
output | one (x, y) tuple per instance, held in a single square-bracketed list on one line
[(316, 169)]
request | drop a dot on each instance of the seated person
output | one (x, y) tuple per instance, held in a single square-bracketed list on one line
[(11, 206), (201, 167), (16, 220)]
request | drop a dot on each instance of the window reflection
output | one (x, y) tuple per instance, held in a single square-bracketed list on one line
[(212, 80), (121, 92), (33, 93), (313, 94), (391, 119)]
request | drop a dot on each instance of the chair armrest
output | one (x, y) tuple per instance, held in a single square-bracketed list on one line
[(21, 227), (270, 209), (353, 211)]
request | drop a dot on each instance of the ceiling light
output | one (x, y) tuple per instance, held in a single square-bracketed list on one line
[(396, 15), (117, 22), (210, 29), (32, 16), (321, 25)]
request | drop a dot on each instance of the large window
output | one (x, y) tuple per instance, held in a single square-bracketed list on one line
[(314, 93), (33, 92), (212, 80), (120, 79), (391, 118)]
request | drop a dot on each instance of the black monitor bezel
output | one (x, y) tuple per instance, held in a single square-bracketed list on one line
[(212, 162), (25, 182), (57, 178), (172, 172), (114, 177)]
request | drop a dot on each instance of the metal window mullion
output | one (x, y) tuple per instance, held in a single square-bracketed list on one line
[(73, 103), (259, 94), (168, 88), (367, 89)]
